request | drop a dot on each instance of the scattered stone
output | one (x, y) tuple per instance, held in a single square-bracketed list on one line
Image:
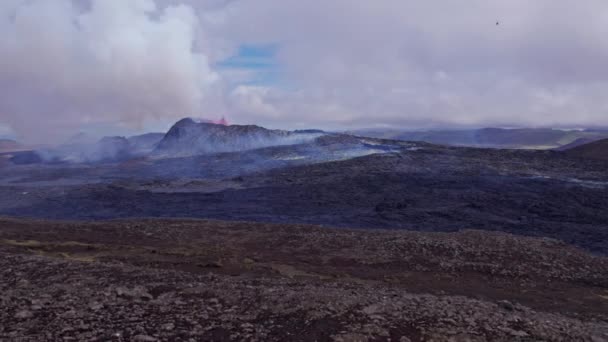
[(212, 264), (168, 326), (24, 314), (95, 306), (372, 309), (505, 304), (515, 333), (137, 292)]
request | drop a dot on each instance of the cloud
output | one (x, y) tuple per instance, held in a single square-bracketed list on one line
[(415, 63), (330, 64), (63, 65), (5, 132)]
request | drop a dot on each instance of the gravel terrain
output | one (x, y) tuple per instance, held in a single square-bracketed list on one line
[(189, 280)]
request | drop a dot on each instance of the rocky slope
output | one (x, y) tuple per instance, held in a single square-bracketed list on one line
[(145, 143), (153, 280), (106, 150), (188, 138), (578, 142), (400, 186), (593, 150)]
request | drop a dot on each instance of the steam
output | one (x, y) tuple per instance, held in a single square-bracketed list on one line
[(190, 138), (65, 63), (221, 122)]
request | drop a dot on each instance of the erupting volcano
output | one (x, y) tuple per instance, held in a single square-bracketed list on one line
[(188, 137)]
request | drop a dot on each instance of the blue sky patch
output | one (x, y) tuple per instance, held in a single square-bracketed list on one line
[(259, 59), (253, 57)]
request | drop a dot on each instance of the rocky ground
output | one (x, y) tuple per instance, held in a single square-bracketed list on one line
[(416, 187), (188, 280), (597, 150)]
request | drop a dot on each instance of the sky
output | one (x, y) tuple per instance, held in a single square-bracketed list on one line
[(127, 66)]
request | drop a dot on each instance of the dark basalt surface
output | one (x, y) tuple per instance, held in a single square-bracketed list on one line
[(418, 187), (592, 150)]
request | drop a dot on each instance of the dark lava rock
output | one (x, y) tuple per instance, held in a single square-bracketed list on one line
[(188, 137), (25, 158), (593, 150)]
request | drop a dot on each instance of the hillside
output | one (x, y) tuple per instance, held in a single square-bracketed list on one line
[(452, 243), (594, 150), (180, 280), (577, 142), (188, 138), (145, 142), (336, 181)]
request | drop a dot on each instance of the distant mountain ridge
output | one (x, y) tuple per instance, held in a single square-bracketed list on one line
[(8, 145), (538, 138), (80, 148), (145, 142), (188, 137)]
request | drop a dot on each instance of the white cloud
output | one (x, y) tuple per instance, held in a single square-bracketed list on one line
[(450, 63), (117, 61), (5, 131), (342, 63)]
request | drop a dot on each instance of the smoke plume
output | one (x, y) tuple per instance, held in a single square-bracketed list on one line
[(65, 63)]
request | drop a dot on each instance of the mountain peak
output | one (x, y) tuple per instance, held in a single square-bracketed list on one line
[(188, 137)]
